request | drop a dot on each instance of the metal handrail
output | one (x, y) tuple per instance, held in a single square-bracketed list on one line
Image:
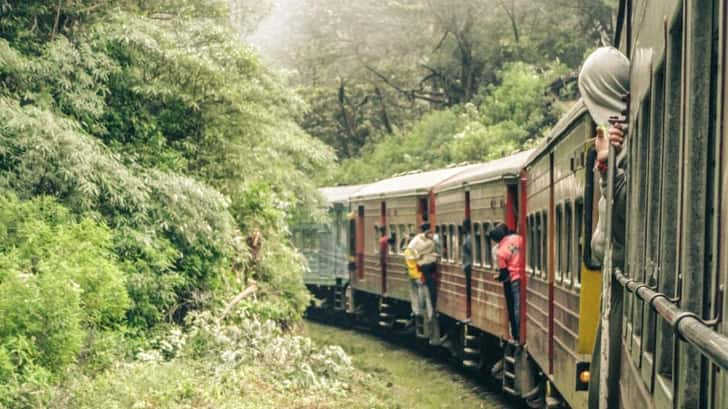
[(688, 326)]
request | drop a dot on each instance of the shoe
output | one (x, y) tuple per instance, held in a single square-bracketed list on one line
[(497, 370), (439, 342)]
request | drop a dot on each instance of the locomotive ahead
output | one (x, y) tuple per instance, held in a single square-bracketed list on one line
[(668, 344)]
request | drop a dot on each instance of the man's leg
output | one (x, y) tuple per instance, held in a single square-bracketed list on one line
[(468, 285), (509, 302), (415, 297), (429, 271), (516, 317)]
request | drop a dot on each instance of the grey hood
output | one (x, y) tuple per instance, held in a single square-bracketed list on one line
[(604, 82)]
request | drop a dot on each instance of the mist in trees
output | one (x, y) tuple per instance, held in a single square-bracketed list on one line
[(371, 69)]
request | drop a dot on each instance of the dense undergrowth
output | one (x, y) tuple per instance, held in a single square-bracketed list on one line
[(141, 147)]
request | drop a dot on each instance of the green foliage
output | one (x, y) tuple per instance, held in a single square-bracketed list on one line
[(153, 118), (59, 280), (507, 117), (371, 68)]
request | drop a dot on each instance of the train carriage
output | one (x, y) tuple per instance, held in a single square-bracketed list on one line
[(487, 194), (674, 350), (324, 246), (564, 285), (400, 204), (673, 341)]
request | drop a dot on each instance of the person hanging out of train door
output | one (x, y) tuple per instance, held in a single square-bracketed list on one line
[(417, 287), (604, 87), (467, 251), (383, 245), (509, 257), (423, 248)]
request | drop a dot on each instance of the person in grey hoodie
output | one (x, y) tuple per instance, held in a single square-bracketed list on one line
[(604, 88), (467, 253)]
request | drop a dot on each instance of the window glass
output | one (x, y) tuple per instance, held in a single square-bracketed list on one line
[(460, 244), (478, 253), (444, 242), (487, 227), (560, 237), (569, 232), (579, 247), (529, 245), (393, 239), (404, 238), (544, 244), (453, 244)]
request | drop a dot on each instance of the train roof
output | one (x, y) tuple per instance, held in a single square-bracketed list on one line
[(339, 194), (409, 184), (510, 166), (574, 113)]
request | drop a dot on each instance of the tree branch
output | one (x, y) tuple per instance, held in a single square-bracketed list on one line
[(57, 20)]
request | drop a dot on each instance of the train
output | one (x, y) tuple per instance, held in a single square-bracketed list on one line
[(668, 343)]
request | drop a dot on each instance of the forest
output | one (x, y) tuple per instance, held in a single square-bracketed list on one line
[(153, 155), (418, 84)]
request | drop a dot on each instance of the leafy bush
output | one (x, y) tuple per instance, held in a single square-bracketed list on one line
[(59, 280), (243, 362)]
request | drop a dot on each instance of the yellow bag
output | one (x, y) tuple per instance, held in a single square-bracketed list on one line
[(410, 257)]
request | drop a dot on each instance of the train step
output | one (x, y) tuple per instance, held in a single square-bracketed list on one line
[(385, 324), (509, 367), (385, 315), (552, 402), (471, 337), (471, 351), (509, 390), (405, 322), (469, 363)]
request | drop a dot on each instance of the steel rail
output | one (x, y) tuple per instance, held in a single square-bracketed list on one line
[(688, 326)]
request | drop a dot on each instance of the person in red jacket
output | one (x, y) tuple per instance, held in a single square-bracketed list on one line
[(509, 256)]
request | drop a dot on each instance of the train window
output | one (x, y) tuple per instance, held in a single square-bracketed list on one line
[(544, 244), (532, 242), (444, 242), (529, 244), (453, 243), (568, 243), (653, 201), (478, 254), (488, 245), (560, 236), (424, 208), (579, 239), (393, 239), (460, 244), (669, 189), (536, 243), (404, 238)]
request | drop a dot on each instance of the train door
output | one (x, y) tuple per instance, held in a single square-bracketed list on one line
[(383, 254), (522, 195), (551, 262), (352, 241), (514, 219), (423, 213), (468, 278), (360, 236)]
